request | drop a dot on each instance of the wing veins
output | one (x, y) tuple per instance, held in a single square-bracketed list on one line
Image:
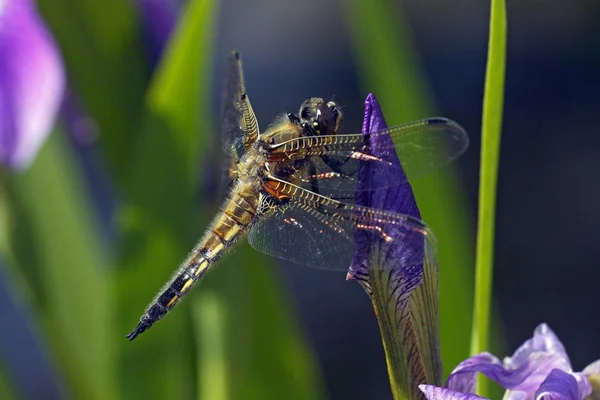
[(344, 144), (354, 213)]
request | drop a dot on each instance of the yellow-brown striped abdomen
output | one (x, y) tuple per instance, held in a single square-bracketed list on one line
[(233, 220)]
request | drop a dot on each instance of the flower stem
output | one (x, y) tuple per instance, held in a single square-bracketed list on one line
[(490, 150)]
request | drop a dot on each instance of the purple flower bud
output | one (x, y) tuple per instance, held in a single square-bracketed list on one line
[(401, 277), (387, 196), (158, 18)]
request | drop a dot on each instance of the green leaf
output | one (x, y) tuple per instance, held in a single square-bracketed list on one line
[(156, 219), (69, 271), (5, 391), (210, 333), (266, 353), (180, 90), (390, 70), (493, 104), (101, 48)]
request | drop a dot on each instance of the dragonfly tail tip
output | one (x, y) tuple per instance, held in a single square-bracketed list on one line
[(141, 327)]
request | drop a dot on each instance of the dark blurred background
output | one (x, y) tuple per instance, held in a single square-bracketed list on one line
[(546, 263)]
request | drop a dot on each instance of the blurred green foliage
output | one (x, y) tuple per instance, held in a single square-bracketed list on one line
[(5, 389), (101, 45), (237, 337), (70, 273), (243, 342)]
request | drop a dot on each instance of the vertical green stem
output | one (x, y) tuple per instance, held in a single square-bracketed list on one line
[(490, 151), (213, 371)]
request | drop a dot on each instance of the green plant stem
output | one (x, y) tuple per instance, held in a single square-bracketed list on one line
[(490, 151)]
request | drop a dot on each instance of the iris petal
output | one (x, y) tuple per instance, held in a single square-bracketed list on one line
[(543, 340), (539, 369), (592, 373), (437, 393), (527, 377), (463, 378), (31, 82), (593, 368), (561, 385)]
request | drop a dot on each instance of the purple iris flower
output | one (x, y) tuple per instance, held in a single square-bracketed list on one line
[(400, 277), (539, 369), (32, 82), (158, 18), (388, 196)]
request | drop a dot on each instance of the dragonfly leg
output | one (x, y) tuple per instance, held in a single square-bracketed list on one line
[(314, 185)]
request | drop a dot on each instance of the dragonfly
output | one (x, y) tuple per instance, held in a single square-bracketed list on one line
[(293, 187)]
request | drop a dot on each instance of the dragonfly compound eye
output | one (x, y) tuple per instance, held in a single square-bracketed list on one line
[(319, 117), (308, 109), (325, 120), (337, 113)]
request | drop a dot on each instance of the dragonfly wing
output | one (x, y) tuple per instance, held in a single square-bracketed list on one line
[(294, 233), (317, 231), (337, 177), (239, 128), (421, 147)]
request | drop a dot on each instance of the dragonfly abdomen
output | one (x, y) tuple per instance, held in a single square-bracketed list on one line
[(234, 218), (182, 282)]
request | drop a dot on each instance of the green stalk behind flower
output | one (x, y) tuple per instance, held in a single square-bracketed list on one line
[(490, 151)]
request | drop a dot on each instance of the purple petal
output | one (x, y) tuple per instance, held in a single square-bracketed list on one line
[(158, 19), (517, 395), (592, 369), (592, 373), (463, 378), (437, 393), (527, 377), (561, 385), (398, 198), (543, 340), (389, 197), (31, 82)]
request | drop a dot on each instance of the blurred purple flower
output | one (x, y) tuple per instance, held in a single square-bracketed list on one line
[(400, 277), (158, 18), (539, 369), (32, 82)]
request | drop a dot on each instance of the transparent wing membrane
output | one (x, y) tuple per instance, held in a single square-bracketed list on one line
[(319, 232), (301, 235), (422, 147)]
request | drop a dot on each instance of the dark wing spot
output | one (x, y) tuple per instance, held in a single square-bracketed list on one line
[(437, 121)]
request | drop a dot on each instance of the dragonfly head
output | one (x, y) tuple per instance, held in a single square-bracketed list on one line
[(322, 118)]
